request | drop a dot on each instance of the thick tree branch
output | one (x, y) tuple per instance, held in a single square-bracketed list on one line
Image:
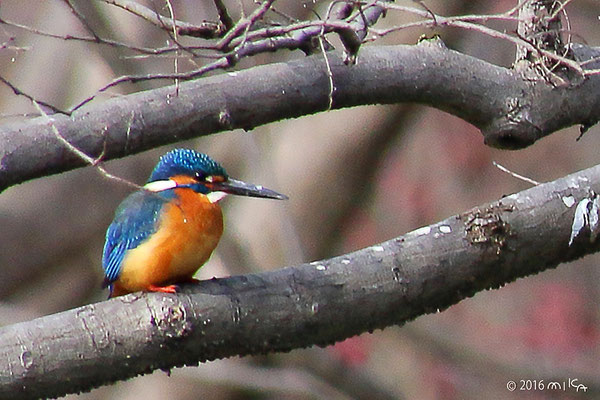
[(510, 111), (312, 304)]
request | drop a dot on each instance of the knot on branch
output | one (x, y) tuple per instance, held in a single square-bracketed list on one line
[(509, 134), (486, 227), (171, 318)]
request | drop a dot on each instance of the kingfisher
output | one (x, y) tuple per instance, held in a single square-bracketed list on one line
[(163, 233)]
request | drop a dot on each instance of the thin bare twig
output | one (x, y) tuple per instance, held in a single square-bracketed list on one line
[(222, 63), (560, 9), (82, 19), (19, 92), (176, 59), (514, 174), (94, 162), (328, 66), (206, 30), (224, 16), (6, 45), (241, 40), (244, 24), (467, 22), (109, 42)]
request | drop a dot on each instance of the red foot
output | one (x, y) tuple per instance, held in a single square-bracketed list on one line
[(163, 289)]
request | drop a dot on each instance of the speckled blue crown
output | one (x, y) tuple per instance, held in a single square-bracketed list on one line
[(185, 162)]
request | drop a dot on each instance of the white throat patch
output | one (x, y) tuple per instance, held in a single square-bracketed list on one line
[(214, 197), (159, 186)]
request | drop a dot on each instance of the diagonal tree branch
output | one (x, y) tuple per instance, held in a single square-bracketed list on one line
[(311, 304), (511, 112)]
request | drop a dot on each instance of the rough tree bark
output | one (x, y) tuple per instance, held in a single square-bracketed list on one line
[(319, 303), (511, 112)]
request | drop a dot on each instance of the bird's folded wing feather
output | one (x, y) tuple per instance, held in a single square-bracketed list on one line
[(135, 220)]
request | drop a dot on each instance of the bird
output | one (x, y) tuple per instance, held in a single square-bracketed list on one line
[(164, 232)]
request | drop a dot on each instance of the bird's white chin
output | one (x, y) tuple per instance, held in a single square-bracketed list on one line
[(215, 197)]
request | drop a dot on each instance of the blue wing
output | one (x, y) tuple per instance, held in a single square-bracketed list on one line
[(135, 220)]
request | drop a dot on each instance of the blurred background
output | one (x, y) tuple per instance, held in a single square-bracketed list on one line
[(355, 177)]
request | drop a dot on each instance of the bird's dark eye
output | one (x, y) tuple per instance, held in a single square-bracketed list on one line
[(199, 176), (205, 178)]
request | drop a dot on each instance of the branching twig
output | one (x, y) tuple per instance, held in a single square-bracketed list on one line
[(83, 20), (242, 40), (104, 41), (94, 162), (468, 22), (224, 16), (206, 30), (219, 64), (19, 92), (243, 25)]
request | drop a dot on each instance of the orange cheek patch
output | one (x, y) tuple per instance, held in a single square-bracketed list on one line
[(183, 179)]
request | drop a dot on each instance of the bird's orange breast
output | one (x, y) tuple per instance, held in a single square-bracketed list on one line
[(189, 229)]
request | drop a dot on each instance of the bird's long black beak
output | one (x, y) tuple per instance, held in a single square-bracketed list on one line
[(233, 186)]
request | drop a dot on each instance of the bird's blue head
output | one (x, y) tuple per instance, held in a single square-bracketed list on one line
[(186, 162), (206, 175)]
